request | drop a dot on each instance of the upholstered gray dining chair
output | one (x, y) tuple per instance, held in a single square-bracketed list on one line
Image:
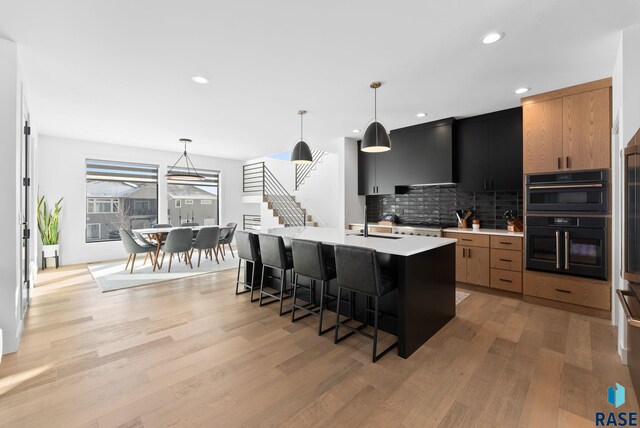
[(161, 225), (190, 224), (178, 242), (226, 237), (133, 248), (207, 240)]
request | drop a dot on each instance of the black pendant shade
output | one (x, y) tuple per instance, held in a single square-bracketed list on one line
[(376, 139), (301, 153)]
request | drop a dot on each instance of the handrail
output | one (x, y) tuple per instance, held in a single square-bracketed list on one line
[(258, 178), (250, 221), (303, 171)]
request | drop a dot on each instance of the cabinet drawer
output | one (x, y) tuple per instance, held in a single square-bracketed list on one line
[(506, 280), (507, 242), (469, 239), (506, 259), (567, 289)]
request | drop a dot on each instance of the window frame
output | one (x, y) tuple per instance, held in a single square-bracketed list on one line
[(206, 172)]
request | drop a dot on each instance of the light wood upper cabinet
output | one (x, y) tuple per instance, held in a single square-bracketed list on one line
[(586, 130), (568, 129), (542, 136)]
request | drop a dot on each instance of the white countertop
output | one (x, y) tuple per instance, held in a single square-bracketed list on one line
[(402, 246), (498, 232)]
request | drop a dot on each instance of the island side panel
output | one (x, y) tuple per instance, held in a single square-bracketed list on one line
[(427, 296)]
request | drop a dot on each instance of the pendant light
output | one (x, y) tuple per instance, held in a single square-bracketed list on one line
[(190, 173), (301, 153), (376, 138)]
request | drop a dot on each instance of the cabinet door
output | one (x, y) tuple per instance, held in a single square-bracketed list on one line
[(587, 130), (387, 169), (478, 266), (472, 140), (461, 263), (366, 172), (542, 136), (505, 151)]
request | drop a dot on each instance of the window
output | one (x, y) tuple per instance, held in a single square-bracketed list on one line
[(93, 231), (119, 196), (195, 202)]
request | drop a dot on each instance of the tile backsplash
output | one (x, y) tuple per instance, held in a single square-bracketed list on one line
[(436, 205)]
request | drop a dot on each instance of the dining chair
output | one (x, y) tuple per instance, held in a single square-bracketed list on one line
[(142, 240), (190, 224), (226, 237), (133, 248), (206, 240), (161, 225), (178, 242)]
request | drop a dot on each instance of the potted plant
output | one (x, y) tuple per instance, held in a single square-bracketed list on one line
[(48, 227)]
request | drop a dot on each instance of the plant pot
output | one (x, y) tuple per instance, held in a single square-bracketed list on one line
[(51, 250)]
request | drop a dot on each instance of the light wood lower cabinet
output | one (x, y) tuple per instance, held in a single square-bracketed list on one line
[(568, 289), (478, 266), (506, 280)]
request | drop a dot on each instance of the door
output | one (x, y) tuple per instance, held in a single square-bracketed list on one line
[(586, 130), (461, 263), (585, 252), (505, 151), (25, 195), (544, 248), (473, 154), (478, 270), (542, 136)]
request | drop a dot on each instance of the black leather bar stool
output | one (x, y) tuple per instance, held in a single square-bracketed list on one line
[(358, 271), (309, 261), (248, 247), (275, 256)]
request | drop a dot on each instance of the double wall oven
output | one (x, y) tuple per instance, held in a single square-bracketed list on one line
[(566, 223)]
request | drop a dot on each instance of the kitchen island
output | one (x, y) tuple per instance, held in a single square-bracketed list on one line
[(423, 269)]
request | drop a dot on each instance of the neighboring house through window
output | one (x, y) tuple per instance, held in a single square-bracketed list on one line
[(195, 202)]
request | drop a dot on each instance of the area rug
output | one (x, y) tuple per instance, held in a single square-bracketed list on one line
[(460, 296), (112, 276)]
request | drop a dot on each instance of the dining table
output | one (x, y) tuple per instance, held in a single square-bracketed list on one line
[(158, 235)]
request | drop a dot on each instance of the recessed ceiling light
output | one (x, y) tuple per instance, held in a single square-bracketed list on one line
[(200, 79), (421, 114), (357, 131), (522, 90), (493, 37)]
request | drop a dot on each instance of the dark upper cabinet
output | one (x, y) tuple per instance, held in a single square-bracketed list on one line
[(421, 154), (489, 151)]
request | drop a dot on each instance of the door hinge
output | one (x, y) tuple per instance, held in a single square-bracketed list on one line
[(26, 181), (27, 130), (26, 234)]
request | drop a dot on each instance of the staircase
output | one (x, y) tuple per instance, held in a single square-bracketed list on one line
[(303, 171), (287, 212)]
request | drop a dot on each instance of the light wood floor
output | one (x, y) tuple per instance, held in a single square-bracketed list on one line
[(190, 353)]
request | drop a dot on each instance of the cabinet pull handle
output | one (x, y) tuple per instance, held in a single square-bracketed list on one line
[(505, 260), (506, 243), (559, 163), (464, 252), (466, 239), (557, 249), (505, 280), (560, 290), (469, 252), (484, 184), (568, 162)]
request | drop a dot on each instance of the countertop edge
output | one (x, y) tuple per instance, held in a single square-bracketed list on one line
[(495, 232)]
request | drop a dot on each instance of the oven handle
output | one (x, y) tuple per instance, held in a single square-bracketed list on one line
[(557, 249), (627, 310), (567, 186), (566, 250)]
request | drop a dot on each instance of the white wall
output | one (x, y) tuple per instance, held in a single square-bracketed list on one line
[(10, 107), (61, 170), (626, 109), (353, 204)]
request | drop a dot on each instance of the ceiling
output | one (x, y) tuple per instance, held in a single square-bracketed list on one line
[(120, 71)]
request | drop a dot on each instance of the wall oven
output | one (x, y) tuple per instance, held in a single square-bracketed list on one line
[(567, 245), (579, 191)]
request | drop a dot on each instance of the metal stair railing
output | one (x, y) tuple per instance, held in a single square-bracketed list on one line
[(250, 221), (303, 171), (258, 178)]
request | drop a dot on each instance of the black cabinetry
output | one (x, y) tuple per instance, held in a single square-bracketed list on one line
[(489, 151), (420, 154)]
